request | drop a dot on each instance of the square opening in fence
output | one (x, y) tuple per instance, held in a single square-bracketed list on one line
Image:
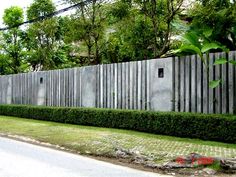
[(41, 80), (161, 72)]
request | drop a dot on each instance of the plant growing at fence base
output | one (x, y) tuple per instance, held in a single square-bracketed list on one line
[(199, 43)]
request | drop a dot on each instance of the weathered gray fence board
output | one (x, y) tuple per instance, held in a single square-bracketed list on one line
[(115, 85), (139, 80), (143, 85), (131, 93), (134, 85), (211, 78), (101, 85), (205, 88), (148, 87), (187, 83), (177, 83), (119, 85), (122, 86), (218, 89), (199, 84), (108, 85), (127, 69), (224, 92), (193, 84), (112, 86), (182, 84)]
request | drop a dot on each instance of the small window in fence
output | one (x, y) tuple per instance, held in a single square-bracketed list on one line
[(41, 80), (161, 72)]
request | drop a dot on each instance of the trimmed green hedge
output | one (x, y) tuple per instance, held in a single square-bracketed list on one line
[(202, 126)]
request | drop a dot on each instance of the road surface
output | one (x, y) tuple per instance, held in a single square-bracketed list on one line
[(18, 159)]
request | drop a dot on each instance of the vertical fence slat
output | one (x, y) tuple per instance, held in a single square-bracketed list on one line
[(231, 83), (127, 98), (109, 86), (134, 85), (218, 90), (112, 86), (193, 84), (139, 79), (143, 85), (119, 85), (182, 84), (187, 84), (205, 88), (177, 84), (115, 85), (101, 86), (225, 89), (148, 75), (131, 94), (123, 94), (199, 85), (211, 78)]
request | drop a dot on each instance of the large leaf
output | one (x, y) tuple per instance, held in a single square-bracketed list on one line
[(190, 49), (192, 39), (209, 46), (214, 84), (220, 61), (232, 62), (207, 32)]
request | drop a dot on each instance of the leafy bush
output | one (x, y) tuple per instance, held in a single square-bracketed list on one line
[(202, 126)]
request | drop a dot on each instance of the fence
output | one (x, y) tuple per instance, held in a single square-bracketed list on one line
[(170, 84)]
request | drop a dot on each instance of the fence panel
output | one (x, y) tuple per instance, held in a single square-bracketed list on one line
[(178, 84)]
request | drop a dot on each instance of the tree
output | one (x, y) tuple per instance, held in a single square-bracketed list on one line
[(88, 26), (219, 16), (11, 41), (130, 39), (141, 29), (161, 14), (42, 37)]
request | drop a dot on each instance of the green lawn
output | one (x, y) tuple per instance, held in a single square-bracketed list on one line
[(104, 141)]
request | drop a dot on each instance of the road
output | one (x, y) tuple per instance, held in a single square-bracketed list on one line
[(18, 159)]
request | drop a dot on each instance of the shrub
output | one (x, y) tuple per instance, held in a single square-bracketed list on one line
[(191, 125)]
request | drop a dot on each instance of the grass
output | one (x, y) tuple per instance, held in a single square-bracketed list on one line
[(104, 141)]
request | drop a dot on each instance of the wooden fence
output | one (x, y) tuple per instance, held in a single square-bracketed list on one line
[(170, 84), (191, 85)]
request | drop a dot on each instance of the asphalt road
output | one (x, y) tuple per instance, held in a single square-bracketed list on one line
[(18, 159)]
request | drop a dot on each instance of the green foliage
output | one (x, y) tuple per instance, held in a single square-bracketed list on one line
[(13, 16), (220, 61), (116, 31), (207, 127), (119, 10), (130, 40), (217, 16), (215, 83), (232, 62), (88, 28), (44, 38), (198, 43), (11, 46), (40, 8), (210, 46)]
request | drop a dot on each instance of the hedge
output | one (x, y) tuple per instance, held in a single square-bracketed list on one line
[(191, 125)]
